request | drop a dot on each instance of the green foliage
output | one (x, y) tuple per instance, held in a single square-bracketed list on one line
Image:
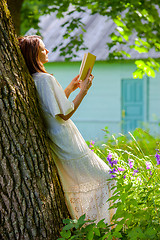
[(75, 41), (138, 19), (149, 67), (136, 196), (33, 9), (81, 229)]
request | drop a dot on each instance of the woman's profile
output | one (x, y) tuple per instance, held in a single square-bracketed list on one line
[(83, 174)]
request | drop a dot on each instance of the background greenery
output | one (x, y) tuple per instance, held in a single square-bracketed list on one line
[(138, 18)]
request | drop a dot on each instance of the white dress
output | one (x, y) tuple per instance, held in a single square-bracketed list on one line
[(83, 174)]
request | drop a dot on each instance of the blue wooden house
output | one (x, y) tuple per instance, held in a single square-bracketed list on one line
[(116, 100)]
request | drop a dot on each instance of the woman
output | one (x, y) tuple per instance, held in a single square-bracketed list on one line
[(82, 172)]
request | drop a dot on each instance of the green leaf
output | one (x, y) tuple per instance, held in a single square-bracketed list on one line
[(89, 227), (97, 232), (116, 197), (107, 236), (124, 196), (150, 232), (157, 45), (150, 72), (137, 42), (101, 224), (139, 63), (81, 220), (117, 234), (141, 49), (65, 234), (118, 227), (136, 233), (126, 54), (119, 22), (68, 226), (138, 73), (66, 221), (90, 235), (133, 202)]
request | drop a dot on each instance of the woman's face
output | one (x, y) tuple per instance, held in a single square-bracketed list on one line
[(43, 53)]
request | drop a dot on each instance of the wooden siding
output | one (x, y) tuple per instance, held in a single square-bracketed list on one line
[(154, 104), (102, 105)]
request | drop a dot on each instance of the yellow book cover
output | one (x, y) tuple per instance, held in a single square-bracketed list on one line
[(87, 62)]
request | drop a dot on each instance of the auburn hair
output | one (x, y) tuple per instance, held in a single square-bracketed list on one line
[(30, 46)]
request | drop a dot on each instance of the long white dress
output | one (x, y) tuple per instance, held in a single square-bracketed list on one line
[(83, 174)]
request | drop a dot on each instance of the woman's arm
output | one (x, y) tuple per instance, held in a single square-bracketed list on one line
[(74, 84), (78, 99), (84, 86)]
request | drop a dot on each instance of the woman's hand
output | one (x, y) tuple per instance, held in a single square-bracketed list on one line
[(74, 84), (87, 82), (84, 86)]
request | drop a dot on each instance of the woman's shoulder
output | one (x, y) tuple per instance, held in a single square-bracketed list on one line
[(45, 79), (42, 76)]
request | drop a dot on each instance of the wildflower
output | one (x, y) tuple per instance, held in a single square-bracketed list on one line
[(109, 157), (91, 144), (150, 172), (112, 162), (113, 170), (135, 171), (113, 176), (157, 158), (121, 169), (124, 176), (148, 165), (130, 163)]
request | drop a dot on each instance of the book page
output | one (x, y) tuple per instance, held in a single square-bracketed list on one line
[(82, 64)]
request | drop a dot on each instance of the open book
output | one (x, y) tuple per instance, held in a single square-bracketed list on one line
[(87, 62)]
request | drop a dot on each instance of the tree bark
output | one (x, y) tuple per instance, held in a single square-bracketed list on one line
[(32, 203), (15, 10)]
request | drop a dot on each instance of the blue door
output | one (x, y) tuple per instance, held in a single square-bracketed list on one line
[(132, 104)]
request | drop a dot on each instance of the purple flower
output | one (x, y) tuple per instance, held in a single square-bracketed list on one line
[(157, 158), (112, 171), (130, 163), (150, 172), (113, 176), (91, 144), (112, 162), (148, 165), (124, 176), (109, 157), (135, 171), (121, 169)]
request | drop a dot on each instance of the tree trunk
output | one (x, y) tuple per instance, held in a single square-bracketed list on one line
[(15, 10), (32, 203)]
